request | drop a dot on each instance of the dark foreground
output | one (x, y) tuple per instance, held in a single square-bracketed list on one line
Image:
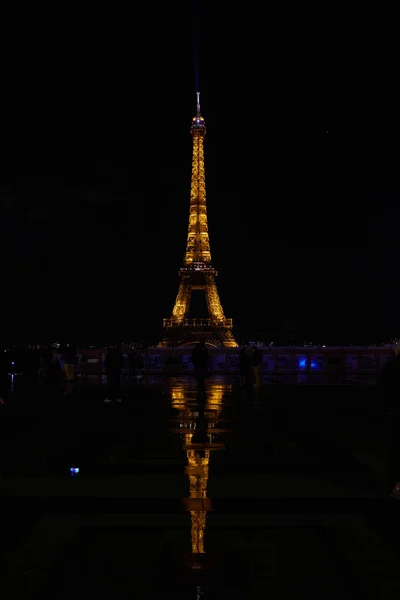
[(283, 493)]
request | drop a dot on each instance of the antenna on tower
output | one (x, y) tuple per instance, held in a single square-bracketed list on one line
[(198, 103)]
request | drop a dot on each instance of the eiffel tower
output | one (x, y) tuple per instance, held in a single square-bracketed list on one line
[(197, 272)]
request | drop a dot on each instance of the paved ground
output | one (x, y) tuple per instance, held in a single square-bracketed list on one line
[(282, 492)]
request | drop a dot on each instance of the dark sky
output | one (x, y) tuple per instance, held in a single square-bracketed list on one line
[(302, 167)]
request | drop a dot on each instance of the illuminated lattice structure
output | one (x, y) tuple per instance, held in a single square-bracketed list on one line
[(197, 470), (197, 272), (198, 453)]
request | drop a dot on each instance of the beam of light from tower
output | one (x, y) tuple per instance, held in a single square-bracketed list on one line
[(195, 35)]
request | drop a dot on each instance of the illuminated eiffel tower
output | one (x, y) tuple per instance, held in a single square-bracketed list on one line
[(197, 272)]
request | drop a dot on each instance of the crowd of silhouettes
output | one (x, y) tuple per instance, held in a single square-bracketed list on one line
[(57, 368)]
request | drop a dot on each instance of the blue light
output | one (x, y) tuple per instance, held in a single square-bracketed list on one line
[(303, 364), (74, 471)]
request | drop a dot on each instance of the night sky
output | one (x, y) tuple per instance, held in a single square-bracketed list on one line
[(302, 162)]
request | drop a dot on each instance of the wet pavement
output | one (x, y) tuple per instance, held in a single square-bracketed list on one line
[(234, 493)]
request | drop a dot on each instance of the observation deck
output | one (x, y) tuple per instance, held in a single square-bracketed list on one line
[(198, 124), (197, 266), (198, 323)]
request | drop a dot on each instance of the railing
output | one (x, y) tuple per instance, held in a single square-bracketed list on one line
[(286, 362), (199, 266), (207, 323)]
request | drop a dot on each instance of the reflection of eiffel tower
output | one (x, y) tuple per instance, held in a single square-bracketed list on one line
[(199, 441), (197, 272), (197, 470)]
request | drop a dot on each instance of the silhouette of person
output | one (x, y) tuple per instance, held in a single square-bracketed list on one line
[(82, 363), (200, 359), (55, 372), (244, 366), (3, 374), (69, 357), (388, 387), (45, 360), (132, 360), (113, 364), (256, 358), (139, 365), (388, 383)]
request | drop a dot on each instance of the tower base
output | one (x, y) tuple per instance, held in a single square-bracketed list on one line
[(191, 331)]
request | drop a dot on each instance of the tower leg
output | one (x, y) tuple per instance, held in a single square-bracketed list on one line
[(216, 312), (213, 302), (182, 302), (228, 340)]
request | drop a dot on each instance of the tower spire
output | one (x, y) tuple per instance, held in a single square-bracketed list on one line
[(198, 104)]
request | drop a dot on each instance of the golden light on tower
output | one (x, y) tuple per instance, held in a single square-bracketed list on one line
[(198, 454), (197, 272), (197, 470)]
